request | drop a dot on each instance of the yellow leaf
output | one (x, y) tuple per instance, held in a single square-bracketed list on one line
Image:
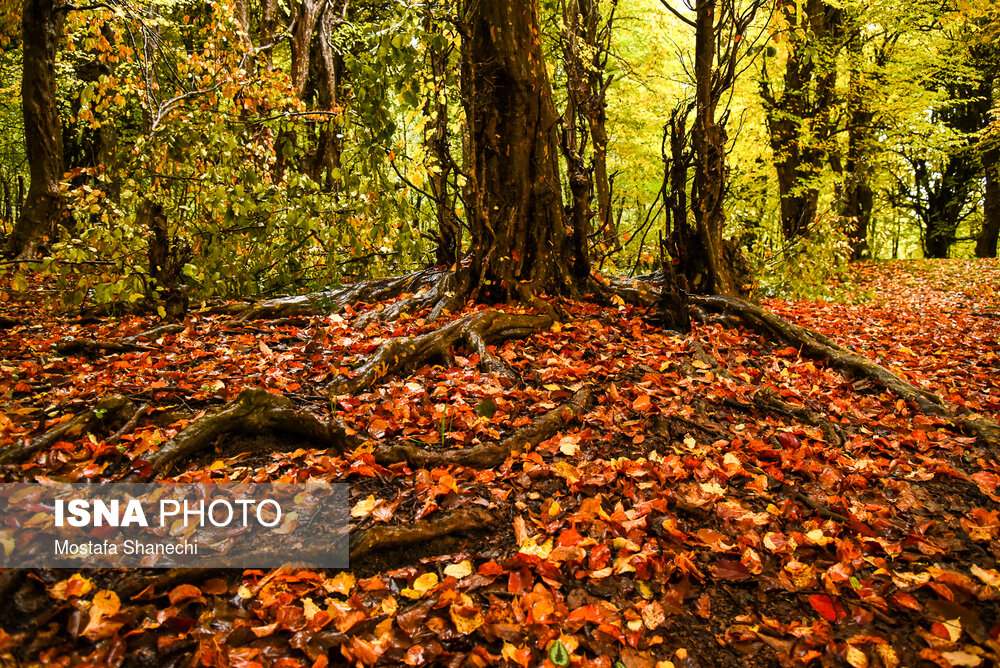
[(309, 607), (342, 584), (105, 604), (363, 508), (962, 659), (389, 606), (460, 570), (990, 577), (426, 582), (856, 657), (460, 611)]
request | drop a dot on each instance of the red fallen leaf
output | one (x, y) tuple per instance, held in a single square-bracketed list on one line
[(904, 600), (490, 569), (587, 613), (142, 468), (825, 606), (731, 570), (518, 581), (183, 593), (788, 441)]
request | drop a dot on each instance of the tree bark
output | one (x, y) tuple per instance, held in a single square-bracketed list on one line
[(858, 198), (441, 163), (708, 139), (519, 241), (41, 25), (798, 119), (986, 244)]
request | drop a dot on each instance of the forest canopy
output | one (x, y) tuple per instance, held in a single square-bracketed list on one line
[(173, 150)]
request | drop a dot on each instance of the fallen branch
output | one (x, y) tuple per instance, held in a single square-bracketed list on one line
[(109, 412), (422, 531), (488, 455), (123, 345), (477, 330), (332, 301), (253, 411)]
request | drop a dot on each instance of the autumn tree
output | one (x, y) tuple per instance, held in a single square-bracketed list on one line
[(704, 260), (520, 244), (41, 23), (800, 112)]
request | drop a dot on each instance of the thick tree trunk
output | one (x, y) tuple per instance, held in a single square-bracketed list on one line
[(986, 244), (41, 23), (519, 241), (798, 119)]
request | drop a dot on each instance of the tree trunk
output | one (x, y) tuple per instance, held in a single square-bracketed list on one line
[(799, 118), (573, 136), (41, 30), (708, 139), (328, 73), (519, 241), (441, 163), (986, 244), (858, 198)]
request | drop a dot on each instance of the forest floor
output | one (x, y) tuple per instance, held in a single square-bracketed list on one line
[(681, 520)]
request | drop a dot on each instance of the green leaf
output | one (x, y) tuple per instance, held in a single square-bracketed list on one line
[(558, 654), (486, 408)]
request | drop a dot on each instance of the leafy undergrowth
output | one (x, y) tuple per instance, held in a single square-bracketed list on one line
[(677, 523)]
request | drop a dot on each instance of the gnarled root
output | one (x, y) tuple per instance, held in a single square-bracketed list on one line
[(111, 412), (331, 301), (488, 455), (822, 347), (477, 330), (442, 294), (123, 345), (422, 531), (252, 411)]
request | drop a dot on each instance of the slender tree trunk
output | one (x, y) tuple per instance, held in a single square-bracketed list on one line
[(708, 139), (519, 241), (41, 30), (986, 244), (442, 165), (573, 136), (327, 67), (858, 198)]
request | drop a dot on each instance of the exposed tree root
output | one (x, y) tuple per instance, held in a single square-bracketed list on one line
[(252, 411), (766, 400), (422, 531), (123, 345), (634, 290), (488, 455), (441, 295), (332, 301), (477, 331), (822, 347), (111, 412)]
